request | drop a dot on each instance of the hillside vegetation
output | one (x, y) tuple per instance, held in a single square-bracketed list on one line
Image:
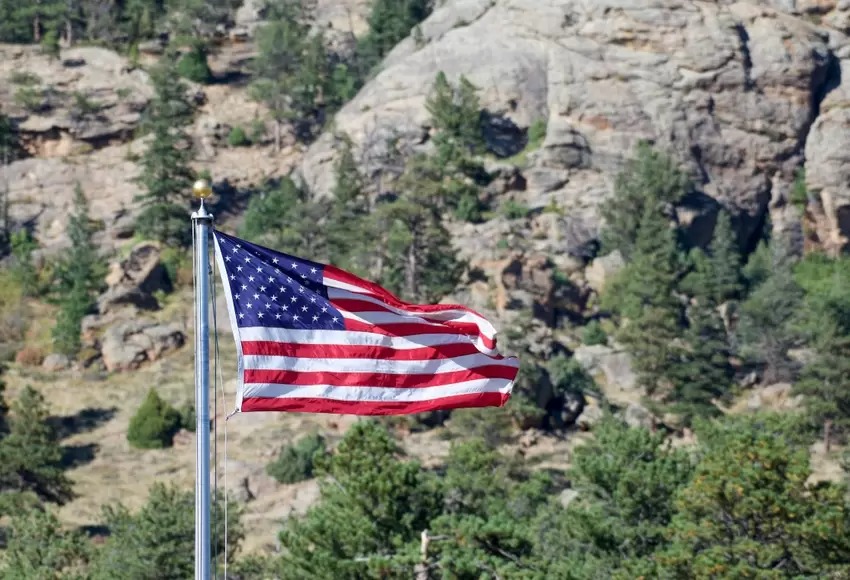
[(669, 265)]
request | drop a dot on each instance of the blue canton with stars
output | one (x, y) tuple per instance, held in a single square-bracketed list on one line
[(273, 289)]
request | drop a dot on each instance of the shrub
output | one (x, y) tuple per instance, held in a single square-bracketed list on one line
[(238, 137), (536, 134), (85, 107), (24, 78), (193, 66), (178, 263), (154, 424), (12, 315), (799, 192), (30, 356), (593, 334), (295, 462), (514, 210), (50, 43)]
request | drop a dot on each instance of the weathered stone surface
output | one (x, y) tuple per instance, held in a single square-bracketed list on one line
[(729, 88), (614, 365), (129, 344), (133, 281), (638, 416), (590, 416), (603, 269), (774, 397), (56, 362)]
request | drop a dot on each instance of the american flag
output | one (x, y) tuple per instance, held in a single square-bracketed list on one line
[(311, 337)]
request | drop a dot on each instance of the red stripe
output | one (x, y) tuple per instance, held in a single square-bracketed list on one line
[(414, 328), (409, 381), (314, 405), (305, 350), (334, 273)]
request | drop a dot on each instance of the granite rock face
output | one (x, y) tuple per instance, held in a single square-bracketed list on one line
[(731, 89)]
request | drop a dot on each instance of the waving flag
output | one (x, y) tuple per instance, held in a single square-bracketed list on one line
[(313, 338)]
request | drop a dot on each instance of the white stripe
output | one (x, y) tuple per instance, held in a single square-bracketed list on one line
[(234, 325), (453, 315), (357, 338), (331, 283), (386, 318), (271, 390), (360, 365)]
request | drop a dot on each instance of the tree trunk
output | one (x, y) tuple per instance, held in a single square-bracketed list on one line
[(827, 427), (411, 274), (421, 569), (36, 28), (277, 130)]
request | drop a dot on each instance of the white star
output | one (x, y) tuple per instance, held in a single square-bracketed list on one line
[(301, 290), (256, 296), (294, 298), (259, 269), (277, 316), (238, 245), (236, 296), (303, 276), (268, 305), (274, 298), (315, 318), (283, 289), (247, 260), (227, 258), (262, 288), (238, 268), (271, 279), (260, 315), (233, 277), (294, 266), (313, 270), (274, 261), (295, 317), (235, 250), (241, 315), (285, 307), (335, 318), (244, 286), (324, 308), (249, 305), (313, 299), (303, 309), (250, 278)]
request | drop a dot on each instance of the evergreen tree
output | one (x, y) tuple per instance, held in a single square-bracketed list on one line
[(23, 245), (165, 174), (456, 116), (650, 181), (290, 69), (643, 293), (78, 278), (716, 277), (158, 541), (749, 512), (30, 455), (390, 21), (703, 374), (154, 424), (38, 548), (775, 305), (419, 260)]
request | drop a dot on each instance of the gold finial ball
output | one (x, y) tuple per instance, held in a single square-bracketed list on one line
[(202, 189)]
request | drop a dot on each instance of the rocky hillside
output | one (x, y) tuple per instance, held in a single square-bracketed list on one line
[(750, 97)]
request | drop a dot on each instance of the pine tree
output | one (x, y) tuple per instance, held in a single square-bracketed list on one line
[(154, 424), (456, 116), (30, 455), (649, 180), (390, 21), (702, 374), (716, 276), (775, 305), (38, 547), (165, 174), (78, 278)]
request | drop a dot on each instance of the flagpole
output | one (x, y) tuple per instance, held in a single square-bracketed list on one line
[(201, 224)]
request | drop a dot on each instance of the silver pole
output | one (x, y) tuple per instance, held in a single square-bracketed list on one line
[(202, 221)]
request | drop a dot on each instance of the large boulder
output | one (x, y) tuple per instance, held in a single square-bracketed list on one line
[(730, 89), (603, 269), (134, 280), (129, 344), (612, 368)]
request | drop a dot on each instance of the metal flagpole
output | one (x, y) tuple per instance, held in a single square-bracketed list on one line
[(201, 224)]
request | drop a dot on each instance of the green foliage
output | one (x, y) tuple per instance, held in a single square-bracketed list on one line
[(28, 78), (23, 246), (716, 277), (456, 116), (284, 218), (78, 278), (513, 210), (295, 462), (158, 541), (166, 176), (774, 304), (749, 512), (84, 107), (593, 334), (30, 455), (372, 503), (50, 44), (238, 138), (536, 134), (193, 65), (154, 424), (188, 417), (799, 191), (390, 21), (568, 376), (38, 547), (650, 183)]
